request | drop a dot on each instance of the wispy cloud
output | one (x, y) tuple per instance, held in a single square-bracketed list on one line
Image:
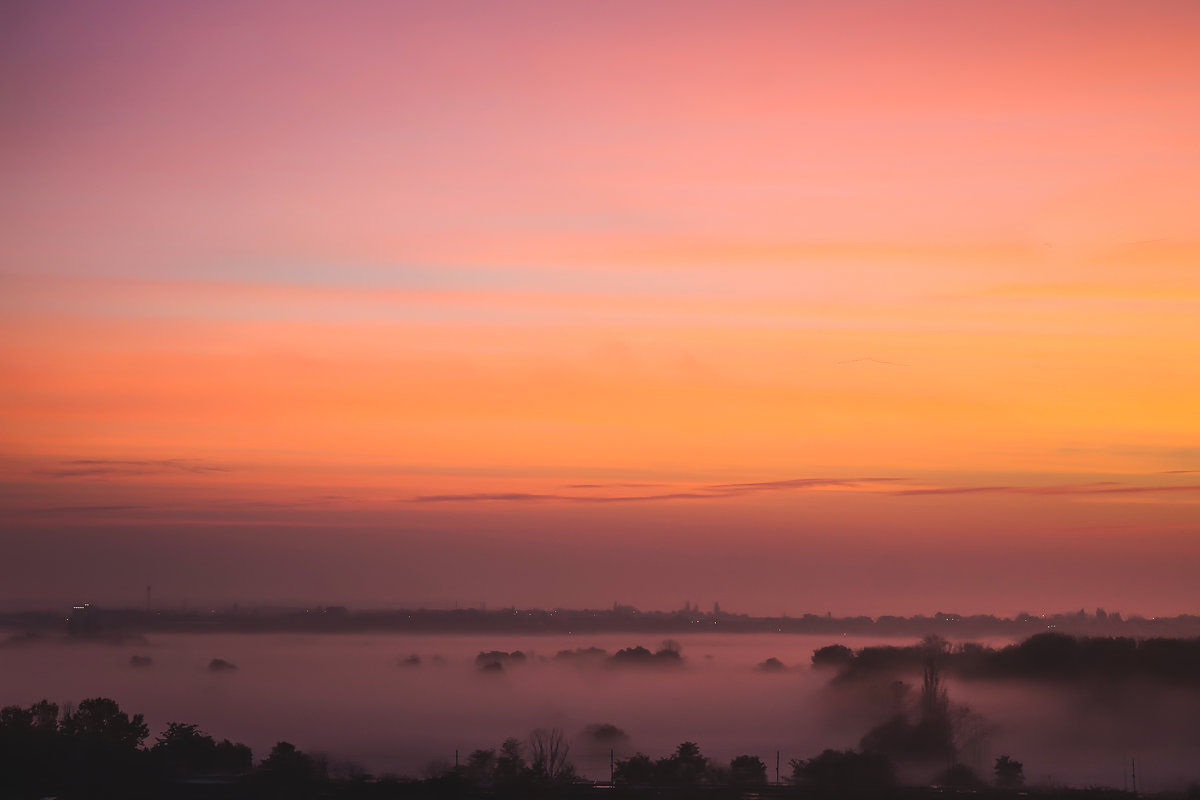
[(611, 485), (80, 509), (714, 491), (794, 483), (95, 467), (519, 497), (1101, 487)]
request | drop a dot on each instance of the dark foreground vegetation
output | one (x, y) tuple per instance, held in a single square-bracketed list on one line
[(1044, 657), (96, 750)]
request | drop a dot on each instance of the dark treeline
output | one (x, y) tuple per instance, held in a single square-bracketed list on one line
[(668, 655), (96, 750), (1044, 656), (93, 621)]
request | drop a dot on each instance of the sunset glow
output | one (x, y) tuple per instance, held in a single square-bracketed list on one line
[(867, 307)]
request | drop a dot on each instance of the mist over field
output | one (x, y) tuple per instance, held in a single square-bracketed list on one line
[(365, 700)]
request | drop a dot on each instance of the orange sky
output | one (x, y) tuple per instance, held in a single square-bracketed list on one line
[(560, 304)]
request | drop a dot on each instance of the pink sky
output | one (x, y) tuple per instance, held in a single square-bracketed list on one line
[(864, 307)]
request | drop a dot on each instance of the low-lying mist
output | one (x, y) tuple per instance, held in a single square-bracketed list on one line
[(394, 703)]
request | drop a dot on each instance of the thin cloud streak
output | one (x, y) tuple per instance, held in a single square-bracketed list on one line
[(519, 497), (795, 483), (79, 509), (711, 492), (93, 467), (611, 485), (730, 490), (1103, 487)]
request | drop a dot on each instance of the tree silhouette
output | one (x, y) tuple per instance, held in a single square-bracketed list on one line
[(960, 776), (288, 772), (930, 738), (834, 655), (637, 770), (481, 766), (548, 751), (844, 772), (101, 719), (747, 770), (685, 767), (185, 748), (1009, 773), (510, 764), (188, 750)]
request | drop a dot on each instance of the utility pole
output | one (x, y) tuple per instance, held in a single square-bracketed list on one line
[(1133, 769), (776, 767), (612, 767), (147, 599)]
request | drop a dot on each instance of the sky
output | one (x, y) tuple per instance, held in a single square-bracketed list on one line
[(860, 307)]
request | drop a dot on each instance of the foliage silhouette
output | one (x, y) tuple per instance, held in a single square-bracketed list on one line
[(102, 720), (834, 655), (637, 770), (668, 655), (498, 660), (929, 739), (960, 776), (1010, 774), (772, 665), (1045, 656), (186, 750), (510, 764), (686, 767), (840, 773), (747, 771)]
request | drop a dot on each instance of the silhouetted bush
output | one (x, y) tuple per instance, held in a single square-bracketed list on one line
[(747, 771), (584, 655), (498, 658), (841, 772), (834, 655), (668, 655), (1010, 774), (637, 770), (960, 776), (186, 750)]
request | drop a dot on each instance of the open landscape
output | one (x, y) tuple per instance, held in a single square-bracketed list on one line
[(652, 400)]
